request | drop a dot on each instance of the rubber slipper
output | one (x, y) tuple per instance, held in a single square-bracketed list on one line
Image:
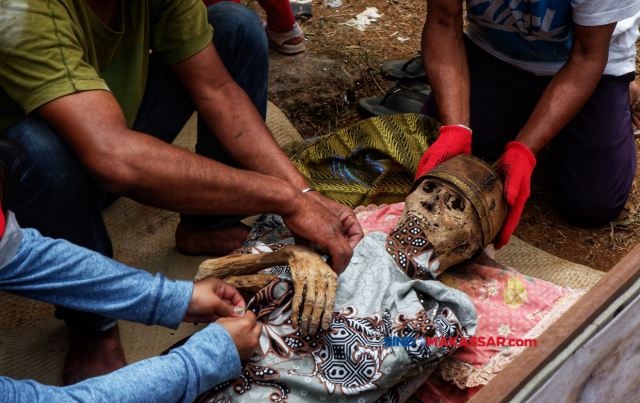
[(412, 68), (277, 39), (404, 96)]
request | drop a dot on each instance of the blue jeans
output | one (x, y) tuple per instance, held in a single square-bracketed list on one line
[(58, 197)]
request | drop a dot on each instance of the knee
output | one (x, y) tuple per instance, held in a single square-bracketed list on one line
[(592, 207), (48, 160), (235, 26), (227, 14), (35, 136), (592, 184)]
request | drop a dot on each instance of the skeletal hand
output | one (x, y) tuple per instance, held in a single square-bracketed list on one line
[(314, 281), (318, 282)]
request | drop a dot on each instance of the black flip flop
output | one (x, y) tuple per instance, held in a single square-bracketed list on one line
[(412, 68), (302, 12), (404, 96)]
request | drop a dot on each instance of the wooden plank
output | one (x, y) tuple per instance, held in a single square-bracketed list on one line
[(555, 339), (604, 369)]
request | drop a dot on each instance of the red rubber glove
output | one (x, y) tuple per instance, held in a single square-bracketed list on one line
[(514, 168), (453, 140)]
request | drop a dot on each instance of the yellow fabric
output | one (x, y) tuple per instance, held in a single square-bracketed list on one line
[(371, 162), (52, 48)]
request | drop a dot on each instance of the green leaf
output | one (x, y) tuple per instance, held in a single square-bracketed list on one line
[(530, 279), (503, 272)]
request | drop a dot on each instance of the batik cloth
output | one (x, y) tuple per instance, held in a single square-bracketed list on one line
[(509, 304), (388, 290), (371, 162)]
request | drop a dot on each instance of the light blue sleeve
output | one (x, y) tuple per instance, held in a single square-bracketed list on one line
[(206, 360), (65, 274)]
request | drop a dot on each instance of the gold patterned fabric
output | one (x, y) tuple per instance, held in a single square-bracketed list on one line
[(371, 162)]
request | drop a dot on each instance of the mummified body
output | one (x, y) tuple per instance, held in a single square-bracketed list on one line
[(457, 224), (389, 289)]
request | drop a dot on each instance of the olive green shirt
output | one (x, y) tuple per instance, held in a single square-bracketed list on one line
[(52, 48)]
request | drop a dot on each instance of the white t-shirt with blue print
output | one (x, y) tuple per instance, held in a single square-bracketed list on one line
[(536, 35)]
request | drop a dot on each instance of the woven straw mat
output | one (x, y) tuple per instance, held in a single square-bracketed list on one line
[(33, 343), (533, 262)]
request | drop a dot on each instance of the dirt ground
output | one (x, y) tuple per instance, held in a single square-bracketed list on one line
[(319, 89)]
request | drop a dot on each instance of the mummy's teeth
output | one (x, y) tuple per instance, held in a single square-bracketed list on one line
[(419, 216)]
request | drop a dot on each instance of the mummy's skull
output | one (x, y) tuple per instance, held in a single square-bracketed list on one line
[(460, 206)]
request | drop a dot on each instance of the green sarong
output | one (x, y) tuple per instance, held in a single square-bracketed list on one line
[(371, 162)]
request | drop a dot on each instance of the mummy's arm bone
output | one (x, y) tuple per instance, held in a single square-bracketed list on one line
[(311, 277)]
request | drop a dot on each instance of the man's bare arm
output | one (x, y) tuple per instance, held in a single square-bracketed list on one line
[(152, 172), (238, 126), (570, 88), (233, 118), (445, 60)]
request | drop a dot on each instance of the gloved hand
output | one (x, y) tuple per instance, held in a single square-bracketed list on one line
[(453, 140), (514, 168)]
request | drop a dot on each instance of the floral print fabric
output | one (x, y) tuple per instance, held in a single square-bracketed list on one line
[(509, 304)]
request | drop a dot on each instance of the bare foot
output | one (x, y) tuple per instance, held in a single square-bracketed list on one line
[(634, 94), (92, 354), (217, 242)]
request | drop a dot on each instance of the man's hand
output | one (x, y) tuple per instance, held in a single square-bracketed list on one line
[(245, 332), (351, 228), (453, 140), (212, 299), (515, 169), (310, 219)]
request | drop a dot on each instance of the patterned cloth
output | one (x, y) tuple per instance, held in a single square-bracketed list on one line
[(388, 289), (508, 304), (372, 161), (268, 229)]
